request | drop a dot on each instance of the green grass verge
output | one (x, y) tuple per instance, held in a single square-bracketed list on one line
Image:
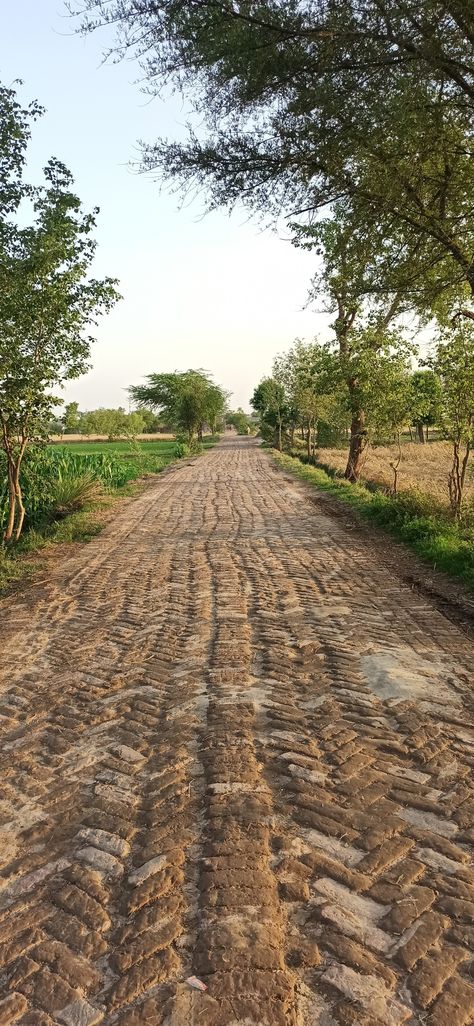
[(411, 517)]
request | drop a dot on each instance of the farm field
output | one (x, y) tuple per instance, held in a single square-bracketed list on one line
[(164, 448), (236, 753), (423, 467)]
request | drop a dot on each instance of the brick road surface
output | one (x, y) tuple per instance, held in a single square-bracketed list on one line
[(233, 745)]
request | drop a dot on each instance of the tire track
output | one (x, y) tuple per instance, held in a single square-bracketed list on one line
[(232, 747)]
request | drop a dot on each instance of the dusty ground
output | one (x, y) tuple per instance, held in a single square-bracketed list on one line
[(234, 747)]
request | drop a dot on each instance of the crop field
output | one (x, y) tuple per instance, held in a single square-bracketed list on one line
[(163, 448), (422, 467)]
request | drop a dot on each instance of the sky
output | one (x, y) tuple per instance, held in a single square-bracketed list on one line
[(200, 290)]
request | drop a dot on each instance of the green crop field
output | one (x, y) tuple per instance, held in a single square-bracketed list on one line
[(164, 448)]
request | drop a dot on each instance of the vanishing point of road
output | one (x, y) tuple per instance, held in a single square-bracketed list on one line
[(235, 747)]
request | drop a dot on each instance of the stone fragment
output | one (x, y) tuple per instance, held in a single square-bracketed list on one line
[(293, 890), (432, 972), (101, 861), (11, 1008), (353, 915), (111, 843), (370, 993), (148, 869), (455, 1005), (79, 1013), (418, 938)]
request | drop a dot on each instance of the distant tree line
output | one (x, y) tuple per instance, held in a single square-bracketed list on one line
[(114, 423)]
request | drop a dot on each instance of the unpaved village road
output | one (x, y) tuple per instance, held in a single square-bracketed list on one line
[(233, 747)]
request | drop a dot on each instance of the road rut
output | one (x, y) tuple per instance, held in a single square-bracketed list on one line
[(233, 747)]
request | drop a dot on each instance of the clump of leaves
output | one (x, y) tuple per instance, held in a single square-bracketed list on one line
[(181, 450)]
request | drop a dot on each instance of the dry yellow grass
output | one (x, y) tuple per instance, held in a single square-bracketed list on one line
[(424, 467)]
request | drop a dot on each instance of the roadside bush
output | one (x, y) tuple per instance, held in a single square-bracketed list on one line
[(70, 494), (181, 450), (55, 479)]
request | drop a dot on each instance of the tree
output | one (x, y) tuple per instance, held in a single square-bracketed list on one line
[(425, 398), (269, 401), (151, 422), (47, 300), (310, 375), (454, 366), (351, 249), (303, 103), (240, 420), (71, 418), (188, 399)]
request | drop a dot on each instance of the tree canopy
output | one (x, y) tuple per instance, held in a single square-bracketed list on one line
[(48, 301), (187, 399), (302, 103)]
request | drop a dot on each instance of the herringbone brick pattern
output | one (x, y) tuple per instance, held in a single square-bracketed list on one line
[(233, 745)]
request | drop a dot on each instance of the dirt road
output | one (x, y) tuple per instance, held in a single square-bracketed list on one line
[(233, 747)]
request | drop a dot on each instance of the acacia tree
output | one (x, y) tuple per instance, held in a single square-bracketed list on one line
[(454, 365), (187, 399), (301, 102), (47, 300)]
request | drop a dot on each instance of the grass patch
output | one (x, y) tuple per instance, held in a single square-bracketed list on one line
[(413, 517)]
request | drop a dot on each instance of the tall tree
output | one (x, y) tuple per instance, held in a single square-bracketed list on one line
[(47, 300), (425, 400), (269, 401), (351, 251), (188, 399), (301, 102)]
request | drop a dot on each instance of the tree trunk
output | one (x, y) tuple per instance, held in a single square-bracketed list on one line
[(200, 432), (19, 503), (420, 432), (279, 436), (357, 444), (8, 532), (457, 477), (308, 441)]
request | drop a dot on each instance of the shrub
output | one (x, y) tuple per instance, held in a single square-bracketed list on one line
[(181, 450), (70, 494)]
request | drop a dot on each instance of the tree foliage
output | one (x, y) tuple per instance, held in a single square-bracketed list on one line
[(454, 367), (303, 102), (188, 400), (48, 302)]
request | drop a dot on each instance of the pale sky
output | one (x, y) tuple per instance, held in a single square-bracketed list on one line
[(199, 291)]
